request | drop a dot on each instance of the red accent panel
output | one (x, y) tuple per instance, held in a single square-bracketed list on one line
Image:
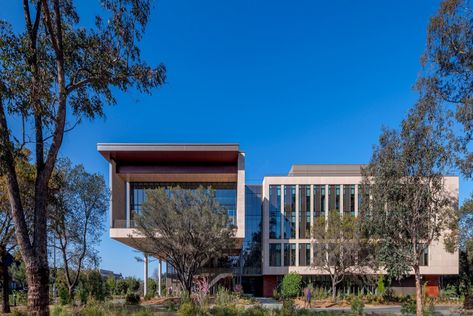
[(269, 284), (432, 287)]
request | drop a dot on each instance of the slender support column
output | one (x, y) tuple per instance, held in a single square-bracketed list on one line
[(159, 277), (145, 282)]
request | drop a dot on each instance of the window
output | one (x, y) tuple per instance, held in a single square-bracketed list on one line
[(304, 211), (319, 254), (225, 194), (275, 255), (424, 257), (289, 255), (363, 197), (304, 254), (334, 197), (319, 200), (349, 199), (289, 211), (275, 211)]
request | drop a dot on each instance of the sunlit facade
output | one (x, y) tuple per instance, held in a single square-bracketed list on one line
[(273, 220)]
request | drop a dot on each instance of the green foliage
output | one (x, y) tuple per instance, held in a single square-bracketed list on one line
[(408, 307), (133, 284), (59, 310), (111, 284), (276, 295), (255, 311), (357, 306), (187, 309), (18, 313), (63, 296), (95, 285), (288, 307), (170, 216), (224, 297), (93, 310), (291, 285), (82, 295), (152, 287), (121, 287), (132, 299), (380, 288), (227, 310)]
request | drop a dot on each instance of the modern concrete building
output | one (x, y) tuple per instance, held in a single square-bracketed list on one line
[(273, 220)]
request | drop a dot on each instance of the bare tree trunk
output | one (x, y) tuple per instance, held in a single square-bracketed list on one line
[(418, 291), (5, 282), (38, 288), (334, 291)]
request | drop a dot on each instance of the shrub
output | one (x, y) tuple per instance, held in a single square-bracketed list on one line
[(357, 306), (187, 309), (276, 295), (380, 288), (92, 310), (288, 308), (58, 310), (148, 296), (121, 287), (83, 295), (408, 307), (63, 294), (291, 285), (170, 306), (255, 311), (227, 310), (132, 299), (18, 313), (224, 297)]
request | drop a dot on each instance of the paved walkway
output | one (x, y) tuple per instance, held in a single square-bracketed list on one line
[(381, 309)]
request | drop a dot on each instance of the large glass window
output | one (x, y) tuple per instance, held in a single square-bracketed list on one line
[(334, 197), (363, 197), (225, 193), (304, 254), (304, 211), (289, 211), (319, 200), (349, 199), (319, 254), (275, 255), (275, 211), (289, 255), (424, 257)]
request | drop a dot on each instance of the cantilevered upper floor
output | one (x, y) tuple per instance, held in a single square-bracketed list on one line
[(137, 167)]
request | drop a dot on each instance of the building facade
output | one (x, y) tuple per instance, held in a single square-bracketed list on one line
[(273, 219)]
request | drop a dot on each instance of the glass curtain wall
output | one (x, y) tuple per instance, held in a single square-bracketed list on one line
[(275, 211), (334, 197), (225, 193), (304, 211), (349, 199), (319, 201), (289, 211)]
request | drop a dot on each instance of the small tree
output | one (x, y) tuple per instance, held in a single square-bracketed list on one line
[(409, 205), (291, 285), (187, 227), (76, 219), (339, 248)]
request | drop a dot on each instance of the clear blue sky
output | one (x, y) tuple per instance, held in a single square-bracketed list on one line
[(291, 81)]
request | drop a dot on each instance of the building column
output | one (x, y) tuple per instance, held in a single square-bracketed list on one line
[(159, 277), (145, 282)]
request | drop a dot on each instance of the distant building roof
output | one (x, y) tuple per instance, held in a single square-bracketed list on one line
[(325, 170), (107, 273)]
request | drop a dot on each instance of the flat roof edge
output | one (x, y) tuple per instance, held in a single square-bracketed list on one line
[(109, 147)]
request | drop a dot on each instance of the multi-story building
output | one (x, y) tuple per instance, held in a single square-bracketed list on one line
[(273, 220)]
